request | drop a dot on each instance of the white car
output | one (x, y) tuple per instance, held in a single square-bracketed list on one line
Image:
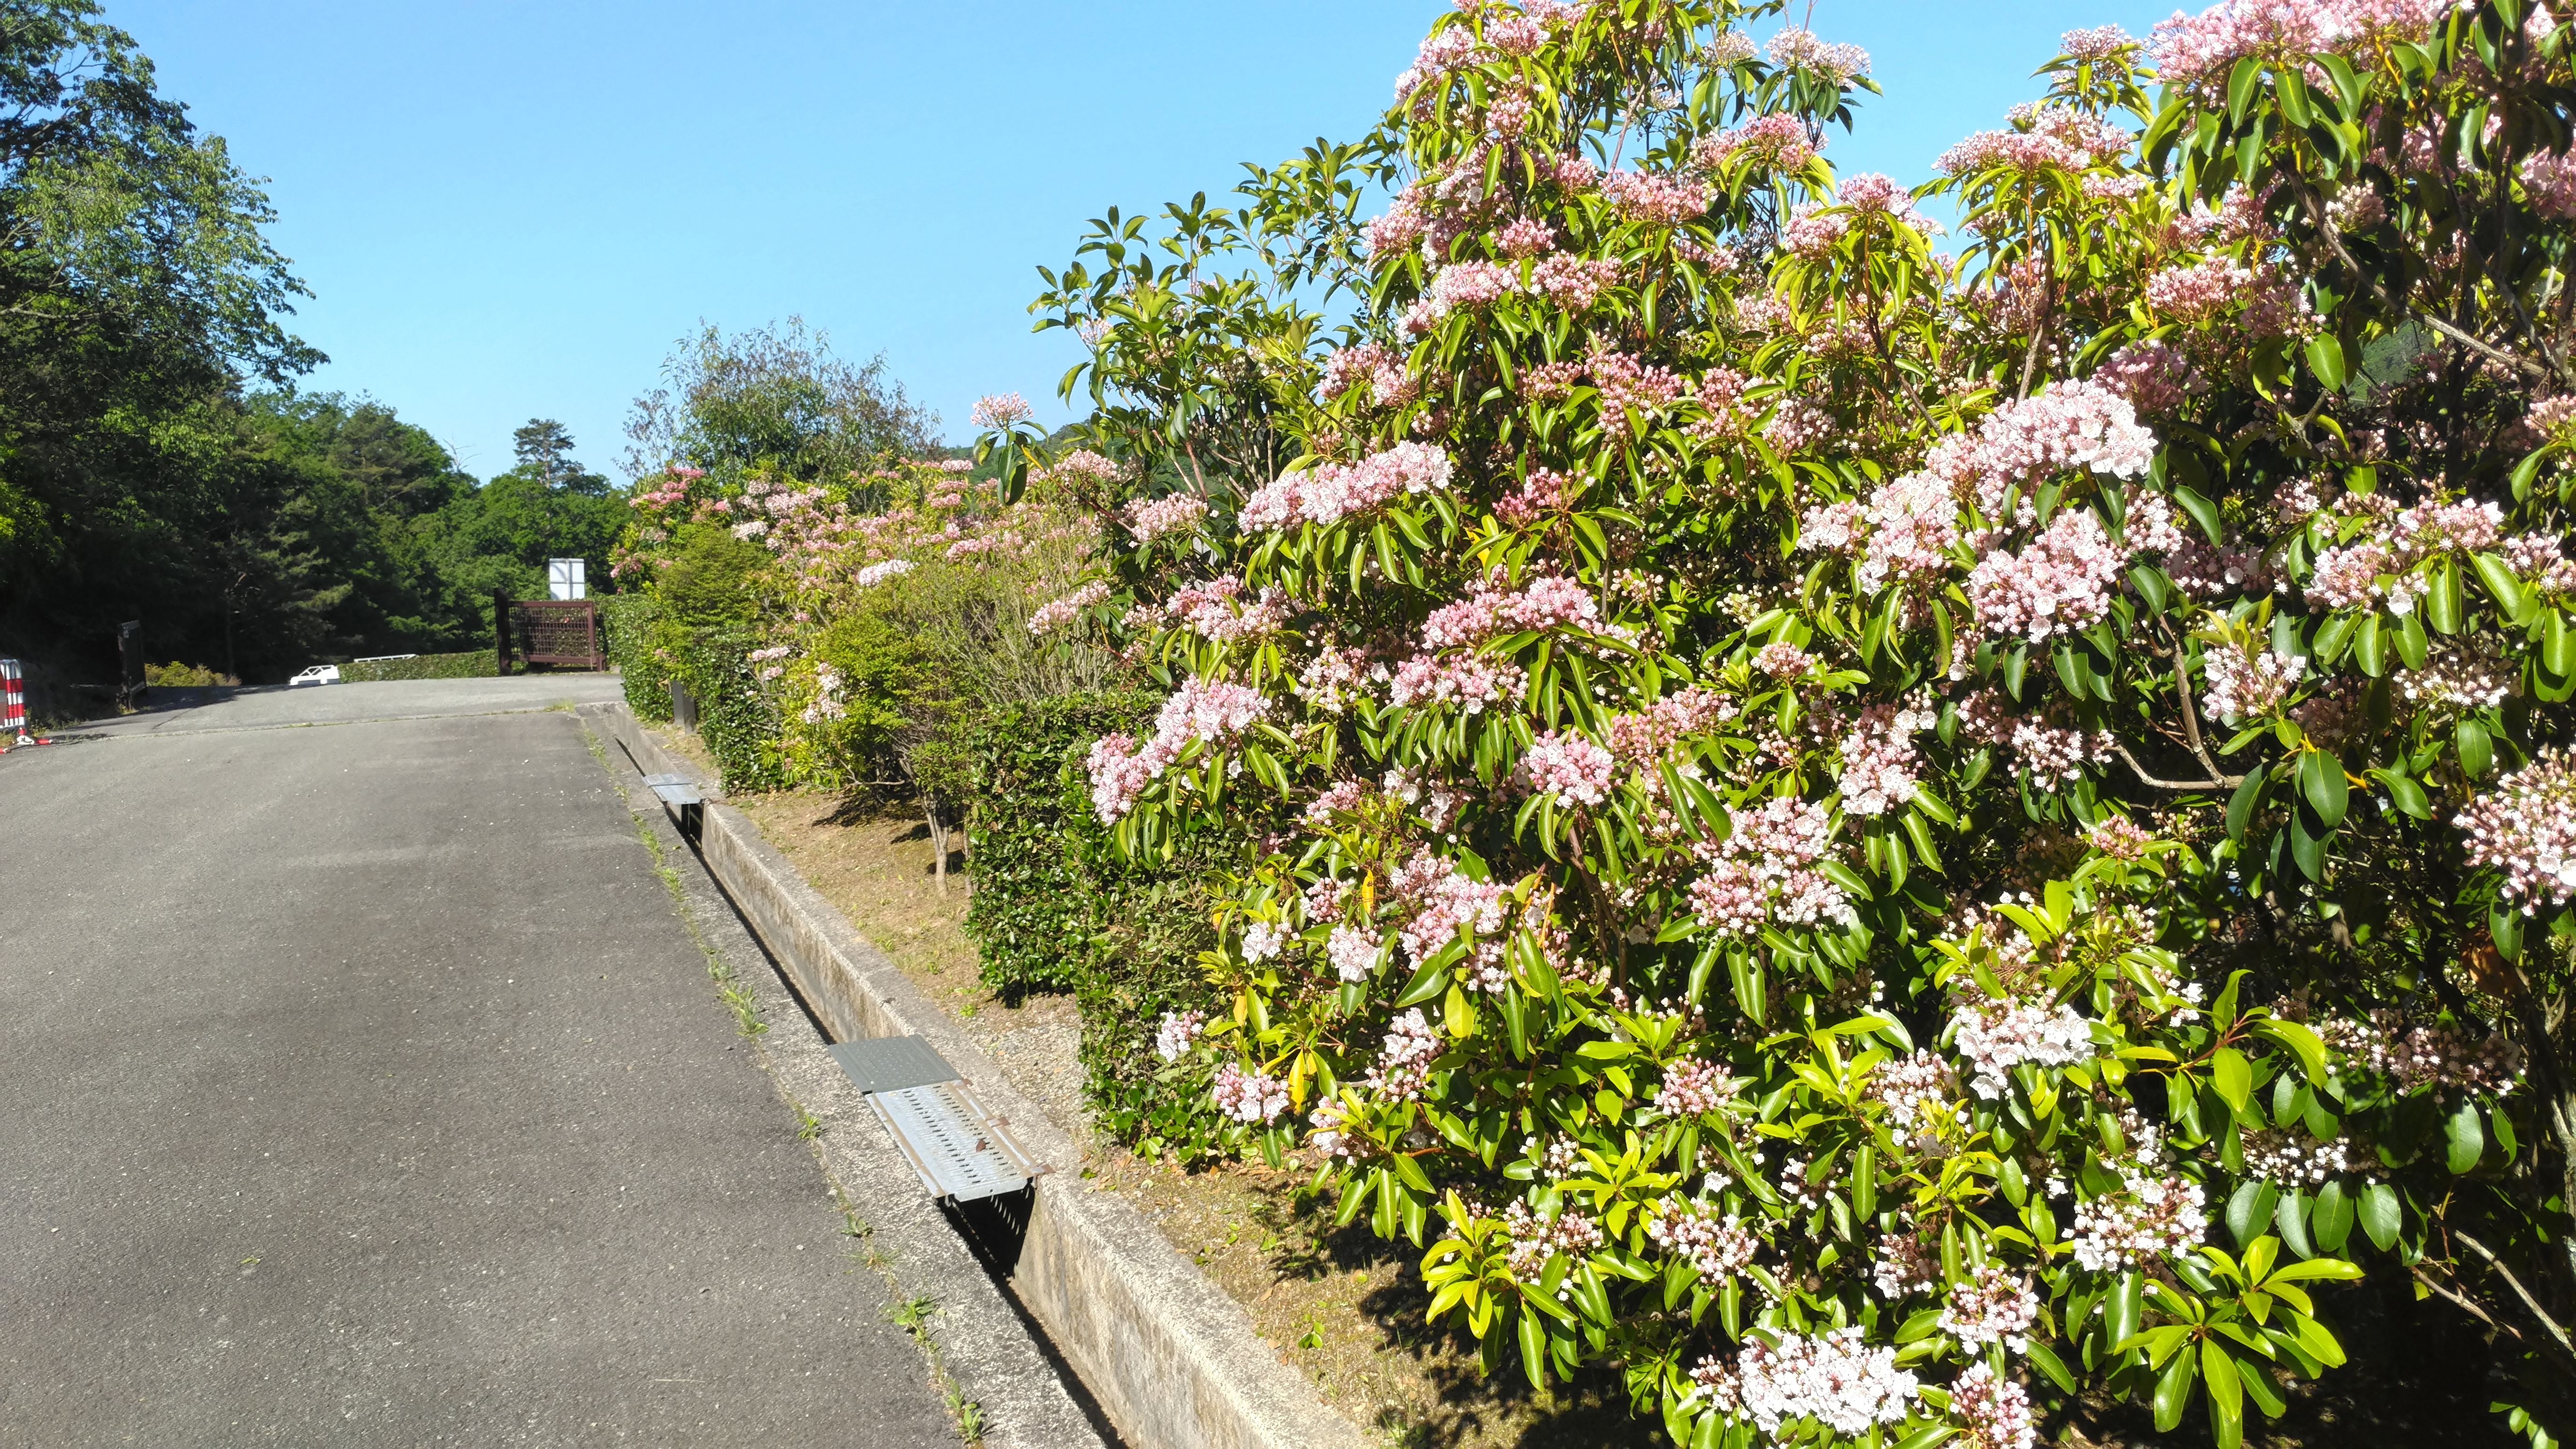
[(317, 674)]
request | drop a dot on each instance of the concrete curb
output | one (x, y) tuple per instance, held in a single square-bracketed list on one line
[(1172, 1360)]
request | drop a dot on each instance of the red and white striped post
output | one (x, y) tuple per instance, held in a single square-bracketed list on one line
[(13, 700)]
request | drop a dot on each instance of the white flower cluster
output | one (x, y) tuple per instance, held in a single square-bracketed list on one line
[(2294, 1159), (1906, 1266), (2148, 1218), (1991, 1307), (1716, 1247), (1536, 1239), (1834, 1378), (1998, 1036), (1917, 1091)]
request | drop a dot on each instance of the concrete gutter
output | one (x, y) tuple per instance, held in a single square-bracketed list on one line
[(1172, 1361)]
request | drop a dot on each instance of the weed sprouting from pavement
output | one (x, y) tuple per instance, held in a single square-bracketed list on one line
[(808, 1126)]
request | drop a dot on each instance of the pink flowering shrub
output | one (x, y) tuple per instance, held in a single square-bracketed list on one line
[(1893, 842)]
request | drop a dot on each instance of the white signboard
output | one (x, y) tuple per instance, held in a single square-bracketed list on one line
[(564, 579)]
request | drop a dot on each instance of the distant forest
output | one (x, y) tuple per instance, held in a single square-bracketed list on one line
[(158, 463)]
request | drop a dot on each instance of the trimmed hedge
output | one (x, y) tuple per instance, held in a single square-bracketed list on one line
[(1054, 909), (735, 716), (472, 664)]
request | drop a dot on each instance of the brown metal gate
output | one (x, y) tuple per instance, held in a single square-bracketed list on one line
[(548, 631)]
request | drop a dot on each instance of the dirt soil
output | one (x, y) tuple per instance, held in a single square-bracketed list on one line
[(1341, 1307)]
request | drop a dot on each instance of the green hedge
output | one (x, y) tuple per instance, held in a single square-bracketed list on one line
[(628, 621), (1054, 909), (735, 716), (473, 664)]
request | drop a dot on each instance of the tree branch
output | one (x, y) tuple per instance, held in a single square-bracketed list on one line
[(2221, 783), (2497, 1265)]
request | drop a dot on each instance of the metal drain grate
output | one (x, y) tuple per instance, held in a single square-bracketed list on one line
[(957, 1150)]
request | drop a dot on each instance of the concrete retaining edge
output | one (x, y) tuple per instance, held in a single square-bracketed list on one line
[(1172, 1360)]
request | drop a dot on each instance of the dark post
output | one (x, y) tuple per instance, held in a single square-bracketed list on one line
[(129, 658), (500, 632), (590, 616)]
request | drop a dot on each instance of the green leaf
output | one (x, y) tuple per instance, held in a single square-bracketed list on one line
[(2477, 751), (2369, 649), (2242, 84), (2240, 808), (2321, 779), (2404, 794), (1923, 1438), (2325, 359), (2467, 1137), (2330, 1224), (2233, 1076), (2203, 512), (2226, 1394), (2173, 1391), (2380, 1214), (2050, 1364)]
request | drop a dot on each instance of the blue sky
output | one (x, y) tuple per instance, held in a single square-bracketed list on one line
[(509, 210)]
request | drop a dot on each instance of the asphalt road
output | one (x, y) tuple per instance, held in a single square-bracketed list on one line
[(359, 1085)]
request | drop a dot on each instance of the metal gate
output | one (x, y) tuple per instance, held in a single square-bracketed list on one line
[(548, 631)]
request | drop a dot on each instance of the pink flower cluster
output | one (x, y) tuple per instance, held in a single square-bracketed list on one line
[(1693, 1085), (1879, 761), (2099, 43), (2058, 136), (1403, 1066), (1056, 613), (1248, 1097), (1469, 681), (1353, 952), (2153, 375), (1717, 1247), (1766, 871), (1536, 1239), (1331, 492), (1150, 519), (2202, 49), (1179, 1032), (1549, 601), (1544, 492), (2264, 304), (1447, 902), (1000, 410), (2065, 426), (1374, 363), (1654, 197), (2052, 754), (1775, 142), (2549, 183), (2348, 576), (1573, 282), (1645, 737), (2526, 828), (1834, 1378), (1993, 1409), (1200, 711), (2060, 584), (1568, 766), (877, 573), (1904, 531), (2242, 683), (1916, 1090), (1795, 49)]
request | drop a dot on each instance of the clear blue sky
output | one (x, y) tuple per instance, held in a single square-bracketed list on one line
[(513, 210)]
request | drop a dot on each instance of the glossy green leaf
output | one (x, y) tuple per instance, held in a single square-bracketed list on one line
[(2466, 1135), (2379, 1214)]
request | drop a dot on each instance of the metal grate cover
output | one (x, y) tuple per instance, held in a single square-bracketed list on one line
[(674, 789), (889, 1063), (956, 1152)]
